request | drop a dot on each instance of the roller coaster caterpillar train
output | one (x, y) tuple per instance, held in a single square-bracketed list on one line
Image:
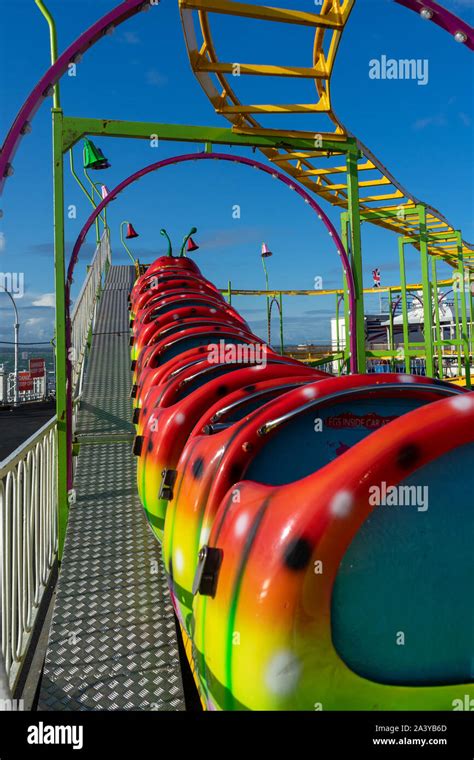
[(294, 506), (312, 526)]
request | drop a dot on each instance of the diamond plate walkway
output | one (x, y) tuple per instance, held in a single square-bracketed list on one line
[(113, 642)]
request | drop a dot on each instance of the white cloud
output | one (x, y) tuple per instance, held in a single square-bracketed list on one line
[(231, 236), (430, 121), (32, 330), (155, 78), (45, 299), (3, 242), (36, 328), (131, 38)]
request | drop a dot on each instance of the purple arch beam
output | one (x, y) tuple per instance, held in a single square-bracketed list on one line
[(204, 157), (443, 18), (246, 162), (21, 125)]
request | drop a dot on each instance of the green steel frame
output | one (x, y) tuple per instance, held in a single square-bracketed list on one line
[(351, 221), (67, 131), (75, 128), (60, 329)]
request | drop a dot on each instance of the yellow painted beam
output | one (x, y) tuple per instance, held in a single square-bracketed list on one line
[(373, 198), (260, 69), (328, 20), (288, 133), (297, 156), (300, 156), (333, 21), (392, 207), (321, 107), (364, 183), (333, 292), (336, 169)]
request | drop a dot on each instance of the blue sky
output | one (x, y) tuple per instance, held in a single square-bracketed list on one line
[(423, 134)]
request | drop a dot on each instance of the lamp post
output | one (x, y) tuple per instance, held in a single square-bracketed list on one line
[(266, 253), (16, 329), (131, 233)]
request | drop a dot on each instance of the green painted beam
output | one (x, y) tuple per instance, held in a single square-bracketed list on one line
[(462, 294), (75, 128), (415, 353), (458, 328), (390, 325), (471, 315), (434, 277), (406, 352), (367, 216), (335, 291), (338, 341), (282, 341), (60, 330), (353, 215), (427, 296), (345, 291)]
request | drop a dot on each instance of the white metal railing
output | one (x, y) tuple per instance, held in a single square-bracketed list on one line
[(40, 390), (37, 393), (28, 540), (28, 498), (375, 365), (83, 313)]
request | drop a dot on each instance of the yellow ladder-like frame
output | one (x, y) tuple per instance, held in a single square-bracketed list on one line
[(379, 190)]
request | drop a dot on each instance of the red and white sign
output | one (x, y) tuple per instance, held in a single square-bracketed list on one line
[(371, 421), (25, 382), (37, 367)]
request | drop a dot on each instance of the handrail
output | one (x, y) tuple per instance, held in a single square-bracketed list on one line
[(83, 313), (17, 454), (28, 503), (28, 540)]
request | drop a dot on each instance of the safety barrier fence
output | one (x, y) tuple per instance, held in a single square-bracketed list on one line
[(83, 313), (417, 366), (28, 503), (38, 391), (447, 367), (28, 540)]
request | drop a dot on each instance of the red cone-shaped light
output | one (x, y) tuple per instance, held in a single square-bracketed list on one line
[(131, 232), (266, 251), (192, 246)]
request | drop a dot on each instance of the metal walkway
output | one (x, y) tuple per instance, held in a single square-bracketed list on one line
[(113, 642)]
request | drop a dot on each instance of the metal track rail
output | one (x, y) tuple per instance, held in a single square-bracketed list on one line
[(113, 642), (223, 83)]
